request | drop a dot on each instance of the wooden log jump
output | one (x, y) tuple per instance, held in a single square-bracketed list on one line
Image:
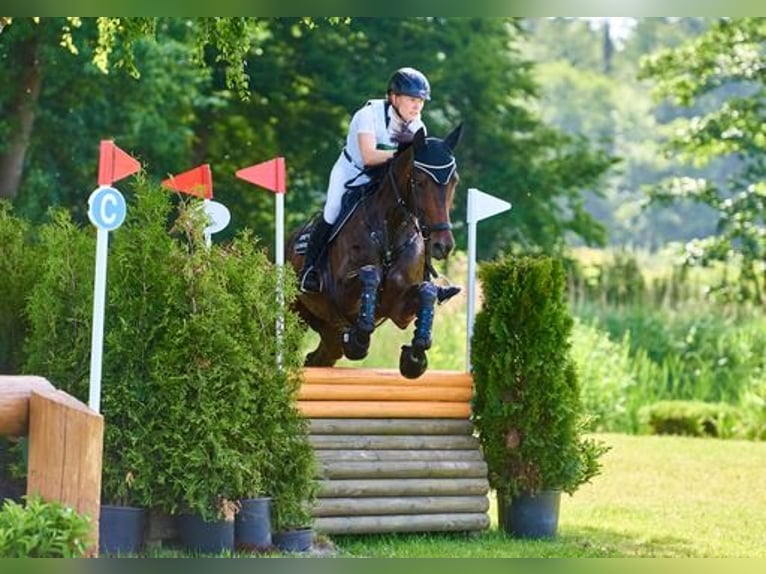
[(394, 455), (329, 392), (65, 444)]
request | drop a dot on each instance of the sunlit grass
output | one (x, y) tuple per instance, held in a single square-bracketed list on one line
[(657, 496)]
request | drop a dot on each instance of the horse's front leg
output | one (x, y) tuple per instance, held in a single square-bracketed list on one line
[(356, 340), (413, 360)]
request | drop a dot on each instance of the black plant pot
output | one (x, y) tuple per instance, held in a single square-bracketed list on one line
[(121, 529), (297, 540), (198, 535), (252, 526), (530, 515)]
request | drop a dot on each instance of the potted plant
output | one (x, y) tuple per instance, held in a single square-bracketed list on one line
[(59, 311), (142, 279), (227, 426), (527, 408), (197, 389), (294, 526), (57, 346)]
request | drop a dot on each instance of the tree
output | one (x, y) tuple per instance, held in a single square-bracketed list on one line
[(723, 74), (33, 46), (304, 79)]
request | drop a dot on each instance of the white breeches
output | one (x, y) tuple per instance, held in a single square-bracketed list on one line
[(342, 172)]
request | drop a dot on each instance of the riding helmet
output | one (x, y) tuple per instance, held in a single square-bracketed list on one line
[(410, 82)]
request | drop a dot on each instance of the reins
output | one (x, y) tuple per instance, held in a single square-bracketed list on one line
[(411, 215)]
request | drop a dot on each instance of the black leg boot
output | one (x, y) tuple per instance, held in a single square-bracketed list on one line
[(310, 279)]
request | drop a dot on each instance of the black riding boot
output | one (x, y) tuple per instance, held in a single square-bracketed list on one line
[(445, 293), (310, 280)]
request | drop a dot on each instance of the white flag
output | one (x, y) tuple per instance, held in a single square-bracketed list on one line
[(482, 205)]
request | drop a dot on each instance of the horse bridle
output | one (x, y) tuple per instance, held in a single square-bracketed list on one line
[(420, 222)]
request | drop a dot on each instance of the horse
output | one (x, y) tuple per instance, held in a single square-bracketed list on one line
[(377, 263)]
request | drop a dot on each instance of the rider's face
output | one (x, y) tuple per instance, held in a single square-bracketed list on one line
[(409, 107)]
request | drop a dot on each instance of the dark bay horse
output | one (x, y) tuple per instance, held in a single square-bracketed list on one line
[(377, 266)]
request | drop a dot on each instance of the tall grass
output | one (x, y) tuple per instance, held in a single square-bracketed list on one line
[(678, 340)]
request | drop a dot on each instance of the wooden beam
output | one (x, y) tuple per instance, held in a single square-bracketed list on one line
[(391, 426), (383, 377), (375, 392), (391, 442), (402, 523), (385, 409), (403, 487), (399, 505), (402, 469), (14, 402), (362, 455)]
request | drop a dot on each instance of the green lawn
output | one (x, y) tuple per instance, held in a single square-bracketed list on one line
[(657, 496)]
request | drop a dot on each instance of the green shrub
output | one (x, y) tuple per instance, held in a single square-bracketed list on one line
[(197, 413), (690, 418), (19, 267), (229, 412), (60, 307), (527, 406), (42, 529)]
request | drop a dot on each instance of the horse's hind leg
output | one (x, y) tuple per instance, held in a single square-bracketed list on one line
[(328, 351), (413, 360)]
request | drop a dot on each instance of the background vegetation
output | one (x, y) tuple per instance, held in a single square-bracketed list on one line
[(643, 137)]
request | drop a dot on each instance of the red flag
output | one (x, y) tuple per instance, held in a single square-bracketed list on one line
[(269, 174), (197, 181), (114, 164)]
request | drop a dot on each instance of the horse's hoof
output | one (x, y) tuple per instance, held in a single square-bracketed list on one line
[(355, 344), (412, 363)]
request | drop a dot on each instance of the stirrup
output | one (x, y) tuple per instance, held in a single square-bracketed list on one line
[(311, 281)]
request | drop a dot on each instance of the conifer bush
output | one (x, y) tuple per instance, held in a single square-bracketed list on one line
[(527, 406), (197, 390)]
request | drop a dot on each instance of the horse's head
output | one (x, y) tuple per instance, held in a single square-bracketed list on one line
[(435, 177)]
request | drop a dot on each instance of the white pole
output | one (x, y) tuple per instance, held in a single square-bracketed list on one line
[(480, 206), (471, 279), (97, 339), (208, 235), (279, 258)]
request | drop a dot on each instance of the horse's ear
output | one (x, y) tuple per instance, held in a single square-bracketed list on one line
[(454, 138), (419, 138)]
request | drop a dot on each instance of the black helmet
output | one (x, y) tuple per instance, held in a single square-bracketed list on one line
[(410, 82)]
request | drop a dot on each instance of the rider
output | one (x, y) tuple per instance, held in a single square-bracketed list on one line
[(374, 134)]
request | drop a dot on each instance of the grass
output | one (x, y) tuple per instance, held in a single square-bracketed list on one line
[(657, 497)]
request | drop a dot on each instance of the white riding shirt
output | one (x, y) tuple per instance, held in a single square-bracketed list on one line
[(377, 118)]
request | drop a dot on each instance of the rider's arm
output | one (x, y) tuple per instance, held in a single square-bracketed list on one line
[(370, 155)]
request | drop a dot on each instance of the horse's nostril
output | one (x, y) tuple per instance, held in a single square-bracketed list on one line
[(441, 250)]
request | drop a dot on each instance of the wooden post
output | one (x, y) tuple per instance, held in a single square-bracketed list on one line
[(65, 450), (65, 444)]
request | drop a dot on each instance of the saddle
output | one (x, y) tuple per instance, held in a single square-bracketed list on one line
[(354, 195)]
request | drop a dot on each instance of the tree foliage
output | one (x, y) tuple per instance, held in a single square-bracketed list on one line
[(287, 86), (723, 74)]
